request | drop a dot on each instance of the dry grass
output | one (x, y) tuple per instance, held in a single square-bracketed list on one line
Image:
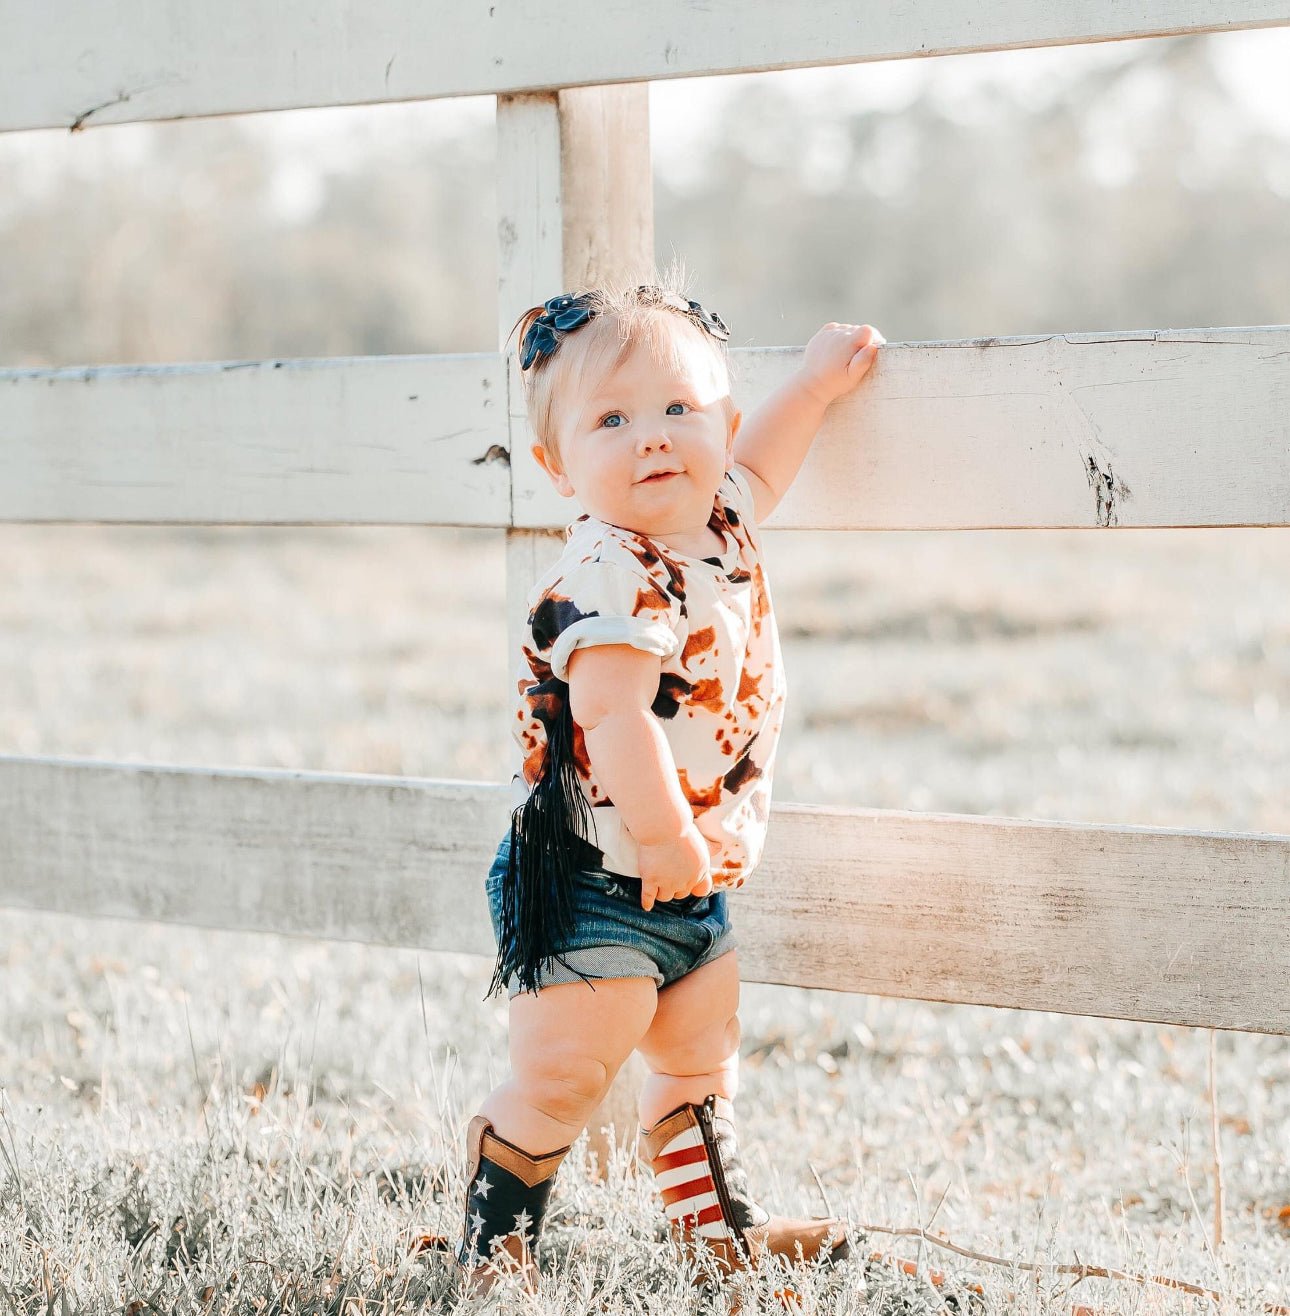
[(219, 1122)]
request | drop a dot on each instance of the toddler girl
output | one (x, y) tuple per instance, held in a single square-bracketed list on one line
[(650, 700)]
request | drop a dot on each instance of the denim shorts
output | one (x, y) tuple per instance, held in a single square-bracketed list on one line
[(614, 937)]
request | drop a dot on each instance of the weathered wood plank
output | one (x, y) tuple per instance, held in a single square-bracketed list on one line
[(1148, 923), (147, 60), (1128, 922), (1186, 427), (389, 440), (379, 859)]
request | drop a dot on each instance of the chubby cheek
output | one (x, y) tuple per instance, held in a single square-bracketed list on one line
[(599, 481), (616, 472)]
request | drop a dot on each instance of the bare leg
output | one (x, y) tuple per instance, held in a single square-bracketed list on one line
[(566, 1044), (692, 1045)]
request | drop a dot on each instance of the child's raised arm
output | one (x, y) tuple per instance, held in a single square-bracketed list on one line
[(611, 690), (773, 442)]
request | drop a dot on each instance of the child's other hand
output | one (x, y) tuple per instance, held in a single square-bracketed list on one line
[(837, 358), (672, 869), (703, 887)]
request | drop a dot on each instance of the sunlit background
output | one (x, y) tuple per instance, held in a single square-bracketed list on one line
[(1114, 185), (1110, 676), (1066, 674)]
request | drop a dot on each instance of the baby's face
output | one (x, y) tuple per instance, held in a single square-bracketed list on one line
[(642, 419)]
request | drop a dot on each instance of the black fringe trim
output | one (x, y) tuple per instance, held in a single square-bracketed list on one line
[(547, 849)]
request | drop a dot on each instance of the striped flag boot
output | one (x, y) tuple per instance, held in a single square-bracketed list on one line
[(694, 1155), (506, 1200)]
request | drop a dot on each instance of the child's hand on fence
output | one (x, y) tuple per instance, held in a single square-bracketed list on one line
[(837, 358), (676, 868)]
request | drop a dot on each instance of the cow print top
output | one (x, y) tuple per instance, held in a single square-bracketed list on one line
[(721, 689)]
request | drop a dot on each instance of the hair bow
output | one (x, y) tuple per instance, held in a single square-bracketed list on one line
[(571, 311)]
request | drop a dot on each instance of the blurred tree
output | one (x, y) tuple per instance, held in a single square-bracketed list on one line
[(1136, 196)]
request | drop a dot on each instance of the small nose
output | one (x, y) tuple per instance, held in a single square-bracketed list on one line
[(654, 438)]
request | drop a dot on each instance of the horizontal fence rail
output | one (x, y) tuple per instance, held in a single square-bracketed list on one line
[(1154, 924), (144, 60), (1174, 427), (394, 439)]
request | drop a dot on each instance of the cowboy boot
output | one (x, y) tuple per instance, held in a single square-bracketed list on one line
[(694, 1155), (506, 1199)]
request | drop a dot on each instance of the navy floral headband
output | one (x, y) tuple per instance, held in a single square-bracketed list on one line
[(571, 311)]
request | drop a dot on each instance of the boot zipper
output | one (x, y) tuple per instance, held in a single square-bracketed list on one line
[(718, 1170)]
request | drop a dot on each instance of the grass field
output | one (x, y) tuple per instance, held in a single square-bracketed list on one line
[(211, 1122)]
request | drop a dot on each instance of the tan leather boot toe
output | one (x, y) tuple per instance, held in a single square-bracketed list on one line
[(802, 1240)]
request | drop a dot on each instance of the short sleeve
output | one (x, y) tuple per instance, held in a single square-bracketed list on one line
[(739, 494), (602, 603), (741, 508)]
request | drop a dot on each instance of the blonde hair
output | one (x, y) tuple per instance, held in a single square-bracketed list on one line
[(624, 316)]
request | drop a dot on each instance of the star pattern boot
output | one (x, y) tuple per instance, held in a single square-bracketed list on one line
[(694, 1154), (506, 1201)]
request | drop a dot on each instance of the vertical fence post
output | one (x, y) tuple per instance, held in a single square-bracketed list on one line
[(575, 206)]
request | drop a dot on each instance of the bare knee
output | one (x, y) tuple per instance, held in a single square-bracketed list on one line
[(565, 1088), (686, 1053)]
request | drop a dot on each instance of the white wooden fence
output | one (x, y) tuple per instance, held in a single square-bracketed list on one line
[(1141, 428)]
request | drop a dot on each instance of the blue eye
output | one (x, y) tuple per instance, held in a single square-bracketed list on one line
[(619, 420)]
